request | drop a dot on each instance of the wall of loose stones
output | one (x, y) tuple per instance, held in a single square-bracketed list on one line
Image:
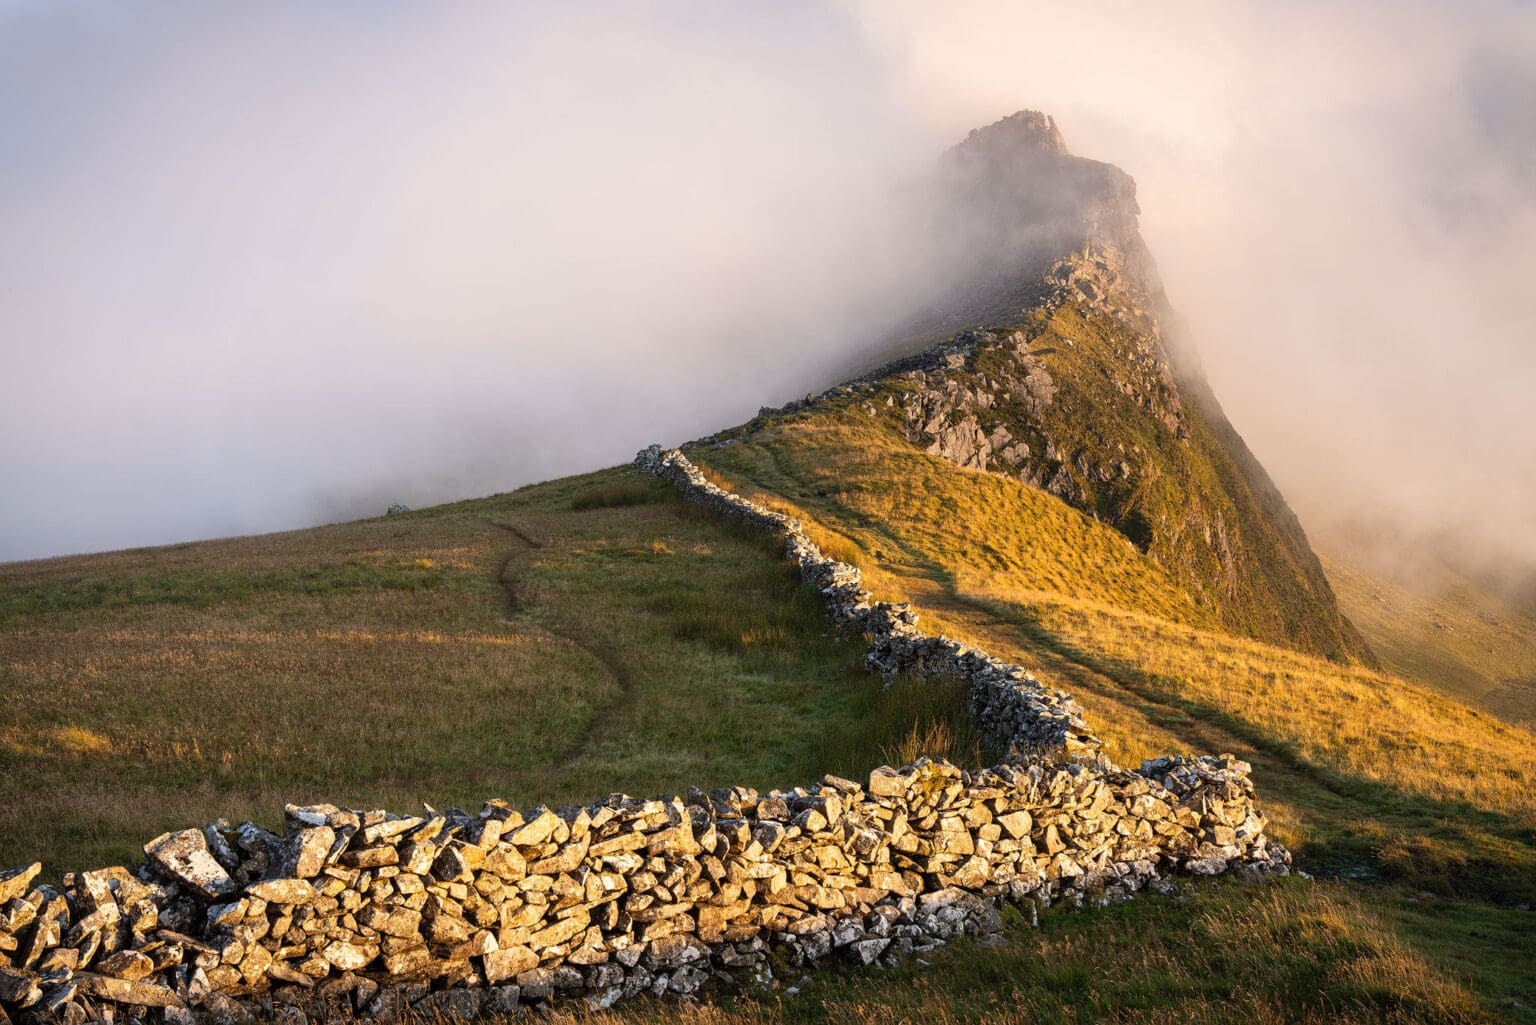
[(375, 914), (1009, 704)]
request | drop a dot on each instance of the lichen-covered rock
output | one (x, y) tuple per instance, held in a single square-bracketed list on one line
[(15, 881), (184, 856), (124, 991)]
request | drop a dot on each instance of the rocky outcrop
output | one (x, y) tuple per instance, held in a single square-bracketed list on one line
[(961, 419), (1080, 397)]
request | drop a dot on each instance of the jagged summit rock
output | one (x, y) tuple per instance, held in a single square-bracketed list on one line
[(1003, 207), (1020, 135), (1020, 203)]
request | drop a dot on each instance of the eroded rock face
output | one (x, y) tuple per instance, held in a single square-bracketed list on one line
[(943, 410)]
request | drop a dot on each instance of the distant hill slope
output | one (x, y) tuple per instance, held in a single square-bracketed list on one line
[(576, 637), (1440, 625)]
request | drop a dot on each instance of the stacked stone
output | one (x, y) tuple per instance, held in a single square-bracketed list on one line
[(1013, 709), (371, 913), (672, 465), (943, 356)]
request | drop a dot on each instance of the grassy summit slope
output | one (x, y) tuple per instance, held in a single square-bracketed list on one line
[(1085, 405), (1368, 776)]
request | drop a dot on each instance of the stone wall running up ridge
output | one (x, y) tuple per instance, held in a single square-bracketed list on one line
[(1016, 712), (375, 914)]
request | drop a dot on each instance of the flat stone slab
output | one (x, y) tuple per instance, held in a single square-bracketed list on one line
[(185, 855)]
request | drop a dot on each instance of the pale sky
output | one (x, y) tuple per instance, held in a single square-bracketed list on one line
[(267, 266)]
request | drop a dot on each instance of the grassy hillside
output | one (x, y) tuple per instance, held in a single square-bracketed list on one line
[(1434, 624), (595, 633), (1369, 777), (1119, 434), (536, 646), (997, 563)]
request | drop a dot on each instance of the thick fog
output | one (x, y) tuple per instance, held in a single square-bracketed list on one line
[(1342, 200), (271, 266)]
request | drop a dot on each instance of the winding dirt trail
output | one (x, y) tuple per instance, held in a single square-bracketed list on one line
[(508, 573)]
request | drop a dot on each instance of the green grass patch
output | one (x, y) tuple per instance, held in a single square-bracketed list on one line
[(618, 494), (204, 589), (433, 657)]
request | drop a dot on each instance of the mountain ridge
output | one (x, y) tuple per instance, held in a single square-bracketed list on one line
[(1064, 366)]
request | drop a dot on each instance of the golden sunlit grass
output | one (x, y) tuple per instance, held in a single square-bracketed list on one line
[(1351, 720), (967, 549), (898, 514), (1363, 774), (643, 644)]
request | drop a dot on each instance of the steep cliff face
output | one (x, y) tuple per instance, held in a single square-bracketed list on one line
[(1058, 369)]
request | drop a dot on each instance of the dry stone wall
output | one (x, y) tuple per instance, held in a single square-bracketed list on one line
[(1009, 704), (366, 913)]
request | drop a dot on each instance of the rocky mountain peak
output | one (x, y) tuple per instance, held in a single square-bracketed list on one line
[(1017, 202), (1023, 135), (1055, 359)]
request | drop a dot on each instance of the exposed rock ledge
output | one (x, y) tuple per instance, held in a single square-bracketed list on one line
[(375, 914)]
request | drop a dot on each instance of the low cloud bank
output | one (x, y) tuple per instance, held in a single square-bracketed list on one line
[(1343, 204), (288, 265)]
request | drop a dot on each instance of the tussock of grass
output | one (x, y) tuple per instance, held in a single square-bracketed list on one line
[(619, 494), (911, 717), (935, 716)]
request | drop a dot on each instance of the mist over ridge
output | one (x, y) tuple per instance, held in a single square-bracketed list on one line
[(288, 266)]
